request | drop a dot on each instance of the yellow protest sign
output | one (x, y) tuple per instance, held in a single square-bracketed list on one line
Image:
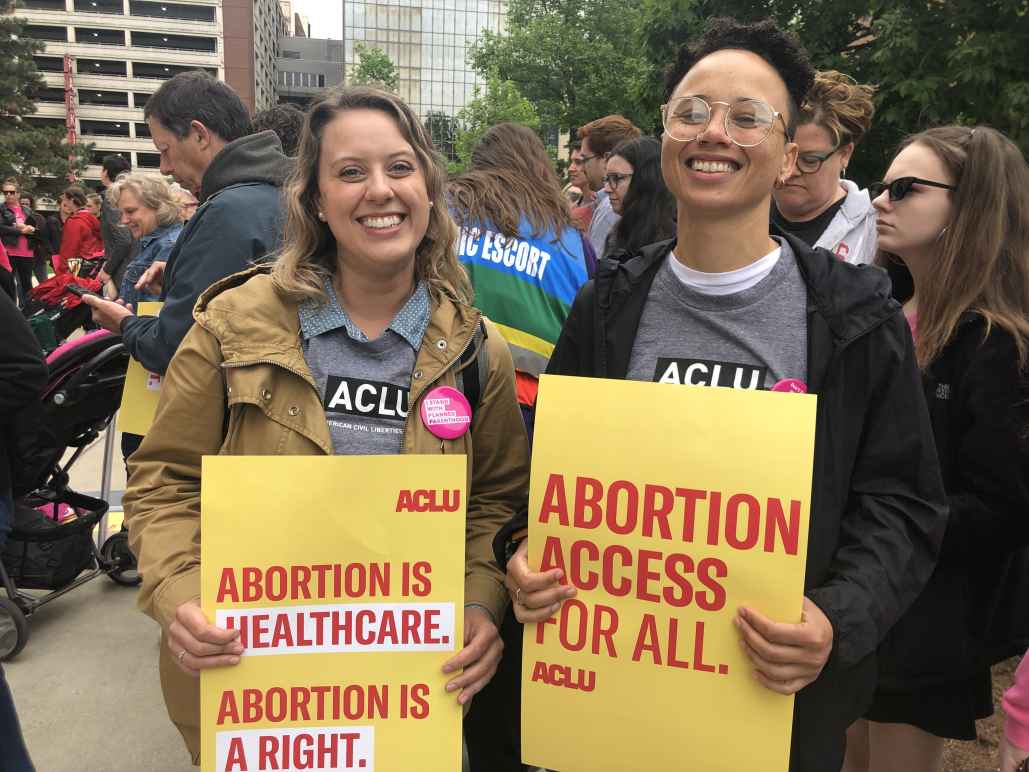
[(142, 389), (345, 577), (668, 508)]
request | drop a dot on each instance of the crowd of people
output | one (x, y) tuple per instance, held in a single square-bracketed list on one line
[(733, 237)]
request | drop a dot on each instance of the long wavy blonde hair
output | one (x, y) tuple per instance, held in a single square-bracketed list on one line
[(308, 255)]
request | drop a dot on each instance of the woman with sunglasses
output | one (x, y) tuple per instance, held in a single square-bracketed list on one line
[(639, 196), (815, 203), (776, 315), (954, 222)]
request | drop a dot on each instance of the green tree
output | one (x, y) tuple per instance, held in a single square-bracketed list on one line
[(500, 102), (374, 68), (961, 61), (39, 157), (572, 59), (443, 129)]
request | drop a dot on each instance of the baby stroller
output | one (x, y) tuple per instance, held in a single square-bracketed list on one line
[(51, 542), (54, 311)]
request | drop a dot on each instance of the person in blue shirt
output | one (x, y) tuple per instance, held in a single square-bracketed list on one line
[(150, 211)]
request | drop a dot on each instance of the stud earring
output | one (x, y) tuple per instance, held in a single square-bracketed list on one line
[(321, 216)]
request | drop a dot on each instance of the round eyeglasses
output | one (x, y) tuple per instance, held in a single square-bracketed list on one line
[(748, 122)]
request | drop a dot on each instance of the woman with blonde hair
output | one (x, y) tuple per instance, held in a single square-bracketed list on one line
[(151, 213), (366, 288), (954, 231), (815, 202)]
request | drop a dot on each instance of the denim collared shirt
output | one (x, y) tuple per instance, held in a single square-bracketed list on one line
[(156, 245), (364, 384), (410, 322)]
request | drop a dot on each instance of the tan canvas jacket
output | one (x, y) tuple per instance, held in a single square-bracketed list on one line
[(239, 385)]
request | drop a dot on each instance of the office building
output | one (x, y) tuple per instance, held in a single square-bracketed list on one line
[(121, 50), (427, 41), (306, 67)]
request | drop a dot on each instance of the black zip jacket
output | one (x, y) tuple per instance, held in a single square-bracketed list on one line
[(878, 510), (9, 232), (975, 610), (23, 375)]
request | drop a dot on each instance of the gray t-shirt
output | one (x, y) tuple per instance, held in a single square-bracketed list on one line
[(748, 340), (364, 384)]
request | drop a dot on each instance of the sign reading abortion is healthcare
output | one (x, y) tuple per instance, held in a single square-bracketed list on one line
[(345, 578)]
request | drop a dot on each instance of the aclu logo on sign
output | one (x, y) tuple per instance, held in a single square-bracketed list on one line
[(707, 372), (355, 396)]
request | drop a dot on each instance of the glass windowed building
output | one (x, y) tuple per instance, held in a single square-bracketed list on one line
[(427, 41)]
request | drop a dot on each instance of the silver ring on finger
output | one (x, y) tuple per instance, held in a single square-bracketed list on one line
[(182, 655), (518, 595)]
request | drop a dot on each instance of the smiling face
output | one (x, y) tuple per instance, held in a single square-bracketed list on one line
[(372, 193), (711, 174), (618, 168), (805, 196), (141, 220), (911, 228)]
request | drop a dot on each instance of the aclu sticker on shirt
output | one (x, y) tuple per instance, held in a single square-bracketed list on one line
[(358, 406)]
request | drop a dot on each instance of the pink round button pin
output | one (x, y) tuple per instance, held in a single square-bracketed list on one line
[(794, 385), (446, 413)]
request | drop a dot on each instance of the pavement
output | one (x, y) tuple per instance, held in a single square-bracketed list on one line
[(86, 685)]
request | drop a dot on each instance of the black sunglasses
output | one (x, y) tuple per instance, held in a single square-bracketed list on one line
[(901, 186)]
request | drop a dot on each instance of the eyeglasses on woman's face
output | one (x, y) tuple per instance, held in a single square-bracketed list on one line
[(613, 179), (810, 162), (9, 192), (901, 186), (747, 122)]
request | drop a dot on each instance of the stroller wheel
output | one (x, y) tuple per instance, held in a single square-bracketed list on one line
[(121, 563), (14, 629)]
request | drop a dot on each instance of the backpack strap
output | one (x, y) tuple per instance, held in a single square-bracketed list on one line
[(472, 375)]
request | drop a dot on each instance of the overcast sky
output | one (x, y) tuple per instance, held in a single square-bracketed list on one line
[(326, 17)]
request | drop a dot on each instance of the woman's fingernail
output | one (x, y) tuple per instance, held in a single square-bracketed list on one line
[(554, 608), (451, 687), (233, 660)]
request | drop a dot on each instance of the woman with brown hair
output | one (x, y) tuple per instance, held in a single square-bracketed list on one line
[(522, 252), (954, 222), (815, 202), (366, 288)]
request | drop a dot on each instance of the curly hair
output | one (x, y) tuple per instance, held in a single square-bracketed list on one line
[(840, 105), (780, 49), (153, 192), (287, 121)]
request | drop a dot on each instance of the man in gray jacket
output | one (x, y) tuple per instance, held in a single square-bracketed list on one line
[(202, 130)]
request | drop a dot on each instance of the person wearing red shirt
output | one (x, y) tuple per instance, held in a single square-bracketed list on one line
[(81, 237)]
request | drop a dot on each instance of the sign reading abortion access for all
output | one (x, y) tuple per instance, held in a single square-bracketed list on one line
[(668, 507), (345, 578), (142, 389)]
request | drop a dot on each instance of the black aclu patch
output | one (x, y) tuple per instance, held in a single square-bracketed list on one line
[(356, 396), (709, 372)]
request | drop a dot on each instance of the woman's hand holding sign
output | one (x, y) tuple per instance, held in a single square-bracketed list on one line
[(786, 657), (536, 596), (196, 644), (479, 657)]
